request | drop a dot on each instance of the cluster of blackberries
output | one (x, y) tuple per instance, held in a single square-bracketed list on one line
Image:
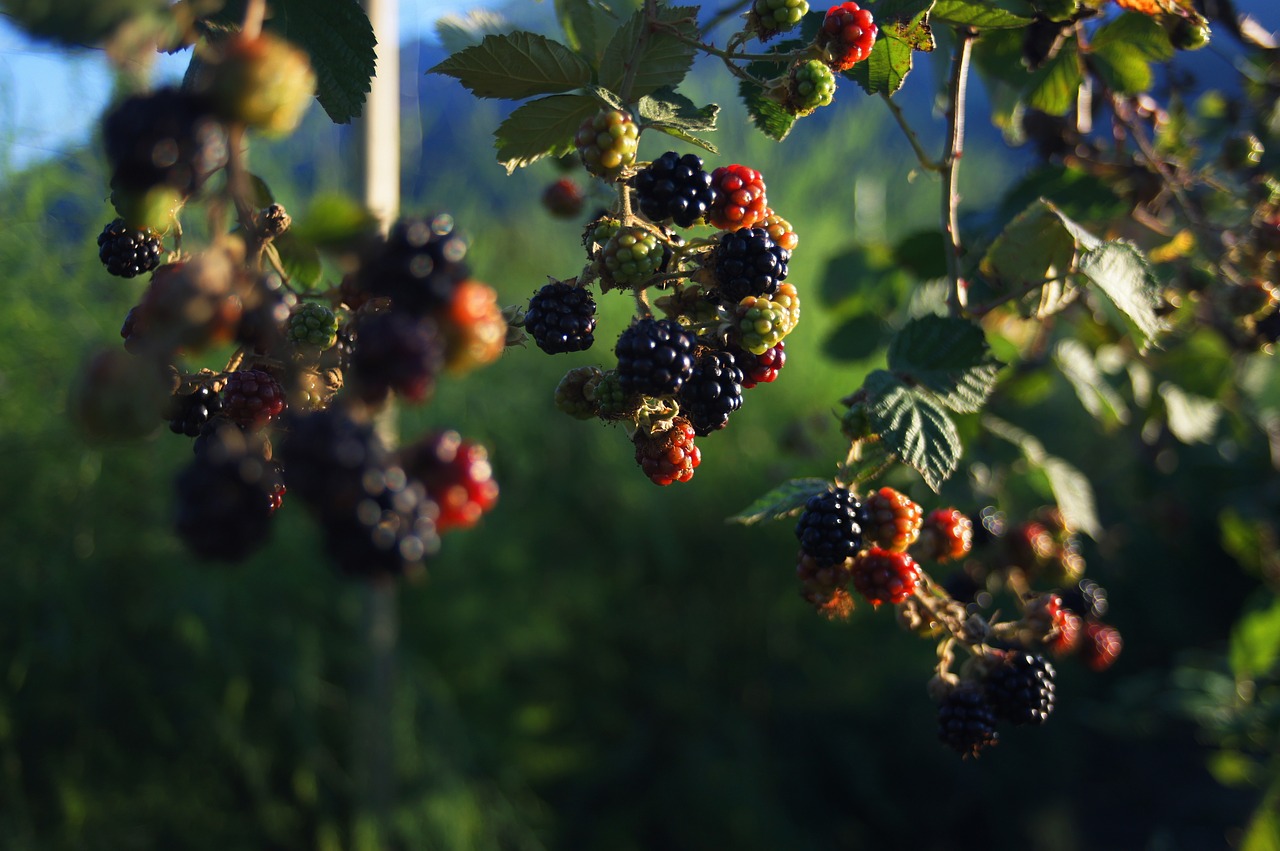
[(726, 312), (1017, 688)]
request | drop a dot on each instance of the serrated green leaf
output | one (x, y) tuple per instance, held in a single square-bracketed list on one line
[(983, 14), (913, 426), (339, 40), (783, 501), (589, 24), (607, 98), (515, 66), (540, 128), (1191, 418), (1097, 395), (1056, 86), (1033, 247), (1123, 67), (856, 338), (886, 68), (457, 32), (657, 58), (1139, 32), (948, 356), (669, 108), (1071, 488), (767, 115), (1120, 270), (906, 20), (1255, 642), (300, 260), (334, 222)]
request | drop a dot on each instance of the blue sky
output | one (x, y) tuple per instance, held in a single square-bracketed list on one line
[(50, 97)]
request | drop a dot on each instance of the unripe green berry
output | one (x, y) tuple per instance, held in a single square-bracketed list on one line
[(811, 85), (770, 17), (313, 324), (631, 255), (571, 393), (607, 143)]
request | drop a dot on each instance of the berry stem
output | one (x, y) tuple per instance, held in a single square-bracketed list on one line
[(957, 90), (724, 14), (923, 156), (643, 310)]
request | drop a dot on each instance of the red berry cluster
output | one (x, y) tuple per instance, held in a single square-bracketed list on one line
[(847, 35)]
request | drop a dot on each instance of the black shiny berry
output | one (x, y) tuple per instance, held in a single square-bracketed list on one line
[(966, 722), (128, 252), (1021, 689), (749, 263), (831, 528), (419, 266), (561, 318), (675, 187), (655, 357), (712, 393), (189, 412)]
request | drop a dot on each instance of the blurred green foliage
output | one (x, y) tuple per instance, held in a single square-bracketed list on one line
[(601, 664)]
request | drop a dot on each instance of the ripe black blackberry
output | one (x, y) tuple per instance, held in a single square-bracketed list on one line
[(712, 393), (419, 265), (966, 722), (128, 252), (226, 496), (189, 412), (655, 357), (326, 455), (397, 353), (675, 187), (831, 528), (561, 318), (163, 138), (391, 529), (749, 263), (1021, 689)]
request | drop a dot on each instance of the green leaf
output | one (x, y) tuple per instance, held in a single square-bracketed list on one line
[(77, 22), (767, 115), (906, 21), (923, 254), (1120, 270), (589, 24), (784, 501), (1097, 395), (515, 66), (1123, 67), (983, 14), (913, 426), (1255, 642), (540, 128), (856, 338), (950, 357), (863, 278), (657, 58), (1071, 488), (335, 222), (261, 192), (886, 68), (1056, 86), (674, 114), (1191, 418), (300, 259), (1035, 246), (458, 32), (1141, 33), (1263, 832), (339, 40), (1251, 541)]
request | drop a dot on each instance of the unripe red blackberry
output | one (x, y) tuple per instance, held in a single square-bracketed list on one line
[(475, 330), (761, 369), (397, 353), (128, 252), (848, 33), (167, 137), (631, 256), (1069, 629), (655, 357), (740, 200), (668, 456), (712, 393), (780, 230), (966, 722), (809, 86), (188, 412), (252, 398), (1020, 688), (831, 527), (1100, 645), (419, 265), (675, 188), (457, 476), (749, 263), (563, 198), (561, 318), (607, 143), (1031, 546), (885, 577), (893, 520), (946, 535)]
